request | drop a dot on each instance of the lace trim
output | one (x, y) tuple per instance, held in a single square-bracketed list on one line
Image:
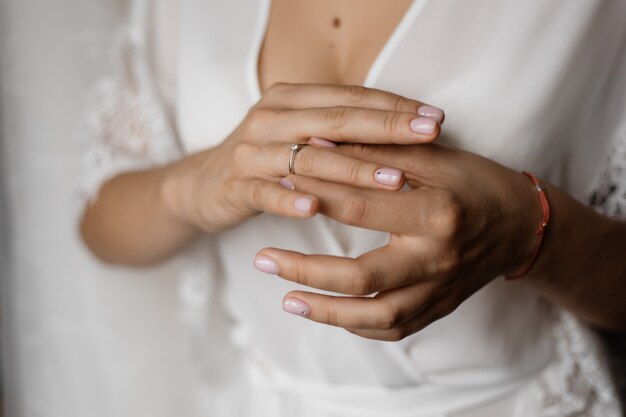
[(577, 383), (609, 196), (127, 128)]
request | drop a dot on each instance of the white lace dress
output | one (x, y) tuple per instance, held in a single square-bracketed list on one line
[(525, 85)]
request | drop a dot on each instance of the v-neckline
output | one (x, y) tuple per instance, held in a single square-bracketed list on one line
[(373, 73)]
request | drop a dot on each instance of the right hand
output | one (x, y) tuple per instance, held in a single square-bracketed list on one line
[(223, 186)]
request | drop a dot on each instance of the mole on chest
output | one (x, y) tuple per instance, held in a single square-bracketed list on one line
[(327, 41)]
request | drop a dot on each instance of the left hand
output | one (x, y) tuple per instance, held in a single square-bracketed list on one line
[(465, 221)]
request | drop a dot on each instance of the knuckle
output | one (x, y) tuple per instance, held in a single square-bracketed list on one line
[(337, 117), (332, 316), (450, 262), (391, 317), (355, 210), (399, 103), (354, 172), (257, 119), (285, 203), (300, 275), (241, 153), (391, 122), (356, 92), (358, 285), (256, 194), (362, 281), (450, 215)]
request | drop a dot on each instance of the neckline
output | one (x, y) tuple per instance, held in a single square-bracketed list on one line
[(373, 73)]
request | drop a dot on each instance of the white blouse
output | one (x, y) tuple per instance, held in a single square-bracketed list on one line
[(533, 85)]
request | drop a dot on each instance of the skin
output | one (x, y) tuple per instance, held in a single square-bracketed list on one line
[(304, 45), (449, 236), (446, 242), (141, 218)]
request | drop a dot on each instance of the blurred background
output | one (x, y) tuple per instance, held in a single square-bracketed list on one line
[(78, 339)]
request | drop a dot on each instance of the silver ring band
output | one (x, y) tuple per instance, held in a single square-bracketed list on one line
[(295, 148)]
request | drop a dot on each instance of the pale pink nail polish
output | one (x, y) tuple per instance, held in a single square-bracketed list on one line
[(432, 112), (297, 307), (266, 264), (287, 183), (304, 204), (423, 125), (322, 142), (388, 176)]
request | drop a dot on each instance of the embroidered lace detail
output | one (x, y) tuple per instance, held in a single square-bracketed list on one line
[(609, 196), (128, 128), (577, 383)]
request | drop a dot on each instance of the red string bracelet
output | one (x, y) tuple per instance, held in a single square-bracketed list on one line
[(545, 208)]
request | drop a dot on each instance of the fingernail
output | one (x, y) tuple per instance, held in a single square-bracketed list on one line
[(304, 204), (432, 112), (266, 264), (322, 142), (297, 307), (286, 182), (388, 176), (424, 125)]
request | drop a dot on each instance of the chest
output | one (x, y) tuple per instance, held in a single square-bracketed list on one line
[(511, 92), (326, 41)]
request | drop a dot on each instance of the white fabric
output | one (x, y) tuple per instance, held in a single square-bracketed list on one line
[(522, 83)]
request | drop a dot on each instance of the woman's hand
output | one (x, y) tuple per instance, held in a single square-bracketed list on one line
[(221, 187), (465, 221)]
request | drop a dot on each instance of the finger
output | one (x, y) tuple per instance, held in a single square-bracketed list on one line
[(387, 311), (403, 213), (350, 124), (422, 320), (300, 96), (417, 159), (272, 162), (265, 196), (378, 270)]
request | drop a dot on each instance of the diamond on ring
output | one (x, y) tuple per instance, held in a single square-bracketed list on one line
[(295, 148)]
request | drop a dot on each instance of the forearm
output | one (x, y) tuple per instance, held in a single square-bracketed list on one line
[(582, 263), (132, 222)]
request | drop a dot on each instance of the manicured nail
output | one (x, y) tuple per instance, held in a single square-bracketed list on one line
[(322, 142), (423, 125), (266, 264), (388, 176), (304, 204), (297, 307), (286, 182), (432, 112)]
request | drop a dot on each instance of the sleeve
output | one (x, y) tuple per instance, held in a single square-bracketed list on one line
[(127, 126), (609, 194)]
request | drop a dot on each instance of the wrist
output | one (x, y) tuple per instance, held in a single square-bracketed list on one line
[(177, 191), (533, 214)]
